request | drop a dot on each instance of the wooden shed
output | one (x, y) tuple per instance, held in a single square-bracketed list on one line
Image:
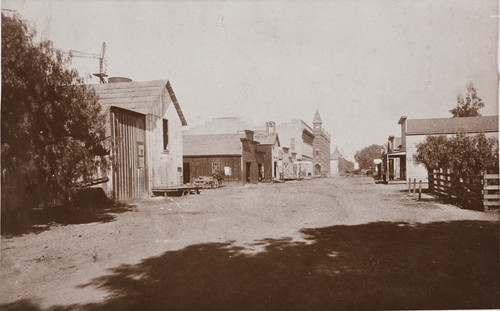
[(144, 122), (233, 155)]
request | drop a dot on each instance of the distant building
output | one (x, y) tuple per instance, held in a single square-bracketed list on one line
[(393, 165), (321, 148), (334, 162), (144, 122), (414, 131), (234, 155), (299, 138), (272, 154), (289, 164), (223, 125)]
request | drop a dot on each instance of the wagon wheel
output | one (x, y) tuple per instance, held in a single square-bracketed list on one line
[(215, 184)]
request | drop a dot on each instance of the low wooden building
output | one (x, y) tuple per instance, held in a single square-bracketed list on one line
[(144, 122), (233, 155)]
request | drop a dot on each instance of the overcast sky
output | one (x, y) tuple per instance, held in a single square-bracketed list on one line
[(362, 64)]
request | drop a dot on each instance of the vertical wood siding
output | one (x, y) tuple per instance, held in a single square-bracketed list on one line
[(202, 166), (129, 174)]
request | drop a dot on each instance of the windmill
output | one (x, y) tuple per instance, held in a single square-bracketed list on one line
[(102, 61)]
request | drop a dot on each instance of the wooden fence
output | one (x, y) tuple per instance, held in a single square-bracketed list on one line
[(474, 192)]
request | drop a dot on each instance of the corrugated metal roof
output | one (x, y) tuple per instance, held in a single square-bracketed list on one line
[(452, 125), (140, 97), (212, 144)]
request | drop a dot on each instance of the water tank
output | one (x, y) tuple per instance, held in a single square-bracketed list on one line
[(118, 79)]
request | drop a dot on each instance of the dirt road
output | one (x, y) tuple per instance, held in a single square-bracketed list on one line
[(318, 244)]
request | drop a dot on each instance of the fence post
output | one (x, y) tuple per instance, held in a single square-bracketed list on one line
[(420, 190), (484, 183), (409, 185), (414, 185)]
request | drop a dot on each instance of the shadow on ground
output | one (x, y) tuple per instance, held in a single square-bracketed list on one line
[(444, 265), (90, 205)]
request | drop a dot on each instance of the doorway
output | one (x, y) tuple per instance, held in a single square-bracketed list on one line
[(247, 175), (317, 170), (260, 171), (186, 174)]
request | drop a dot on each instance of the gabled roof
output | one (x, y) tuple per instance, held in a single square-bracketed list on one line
[(267, 139), (212, 144), (141, 97), (452, 125), (317, 118)]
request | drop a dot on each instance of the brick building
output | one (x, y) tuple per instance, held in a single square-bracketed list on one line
[(321, 148)]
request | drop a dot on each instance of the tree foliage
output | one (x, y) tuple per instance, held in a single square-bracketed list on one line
[(345, 165), (52, 125), (464, 155), (365, 157), (470, 106)]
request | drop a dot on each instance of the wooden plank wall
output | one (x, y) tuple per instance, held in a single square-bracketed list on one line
[(164, 165), (129, 171), (202, 166)]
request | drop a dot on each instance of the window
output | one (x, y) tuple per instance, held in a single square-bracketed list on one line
[(140, 154), (215, 167), (317, 152), (165, 134)]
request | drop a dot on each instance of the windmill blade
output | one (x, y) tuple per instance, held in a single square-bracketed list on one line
[(103, 50), (75, 53)]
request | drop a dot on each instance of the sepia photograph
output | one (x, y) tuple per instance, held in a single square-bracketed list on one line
[(250, 155)]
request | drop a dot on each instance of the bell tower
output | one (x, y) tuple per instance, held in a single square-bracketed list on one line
[(317, 123)]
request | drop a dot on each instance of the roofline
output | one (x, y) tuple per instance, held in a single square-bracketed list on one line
[(212, 155), (176, 103), (112, 108), (449, 133)]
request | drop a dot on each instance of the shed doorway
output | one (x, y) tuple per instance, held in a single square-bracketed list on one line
[(186, 174)]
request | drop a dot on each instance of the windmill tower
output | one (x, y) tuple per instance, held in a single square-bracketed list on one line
[(102, 61)]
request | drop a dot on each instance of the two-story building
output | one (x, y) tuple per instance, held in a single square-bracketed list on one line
[(414, 131), (272, 153)]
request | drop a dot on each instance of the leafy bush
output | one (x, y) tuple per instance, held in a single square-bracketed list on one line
[(464, 155)]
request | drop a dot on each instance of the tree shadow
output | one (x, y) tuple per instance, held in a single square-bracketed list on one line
[(89, 206), (442, 265)]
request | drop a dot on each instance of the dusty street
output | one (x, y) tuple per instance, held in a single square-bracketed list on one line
[(340, 243)]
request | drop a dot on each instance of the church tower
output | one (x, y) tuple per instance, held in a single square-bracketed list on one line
[(321, 148), (317, 123)]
